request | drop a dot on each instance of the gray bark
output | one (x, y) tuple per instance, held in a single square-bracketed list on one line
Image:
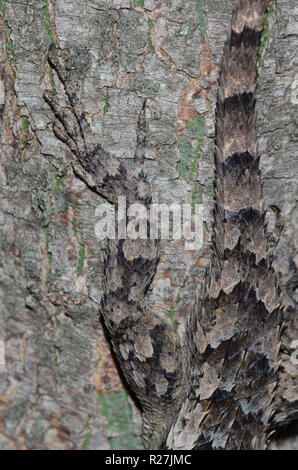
[(60, 388)]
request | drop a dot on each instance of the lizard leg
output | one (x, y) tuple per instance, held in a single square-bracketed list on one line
[(72, 96), (62, 135), (71, 128)]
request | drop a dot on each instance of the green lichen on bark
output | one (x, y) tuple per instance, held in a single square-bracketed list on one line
[(81, 260), (74, 228), (61, 203), (3, 7), (117, 411), (265, 32), (150, 44), (47, 22), (25, 124), (202, 17), (190, 147), (172, 317), (50, 38), (138, 3), (9, 43), (86, 442), (150, 23), (197, 194), (106, 105)]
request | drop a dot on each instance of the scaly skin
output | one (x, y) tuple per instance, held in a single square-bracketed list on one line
[(216, 388), (234, 332)]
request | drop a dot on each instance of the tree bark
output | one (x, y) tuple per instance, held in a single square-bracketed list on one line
[(60, 387)]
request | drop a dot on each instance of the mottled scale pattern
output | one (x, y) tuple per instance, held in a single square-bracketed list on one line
[(148, 348), (234, 331), (215, 389)]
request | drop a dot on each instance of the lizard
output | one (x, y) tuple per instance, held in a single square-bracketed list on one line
[(214, 388)]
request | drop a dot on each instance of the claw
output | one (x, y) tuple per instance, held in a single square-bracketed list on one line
[(62, 135), (77, 110), (71, 128)]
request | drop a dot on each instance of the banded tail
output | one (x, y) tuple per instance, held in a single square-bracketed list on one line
[(235, 332)]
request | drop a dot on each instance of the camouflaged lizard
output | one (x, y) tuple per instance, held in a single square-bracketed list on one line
[(215, 388)]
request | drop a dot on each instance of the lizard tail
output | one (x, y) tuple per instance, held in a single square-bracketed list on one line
[(235, 331)]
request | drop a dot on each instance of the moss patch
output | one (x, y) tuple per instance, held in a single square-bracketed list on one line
[(150, 44), (52, 80), (60, 183), (86, 442), (150, 23), (197, 195), (74, 228), (117, 411), (138, 3), (3, 7), (172, 317), (81, 260), (265, 33), (106, 105), (61, 203), (130, 161), (47, 22), (190, 147), (25, 124), (202, 17), (9, 43)]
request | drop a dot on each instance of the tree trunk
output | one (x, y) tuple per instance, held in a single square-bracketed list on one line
[(59, 386)]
